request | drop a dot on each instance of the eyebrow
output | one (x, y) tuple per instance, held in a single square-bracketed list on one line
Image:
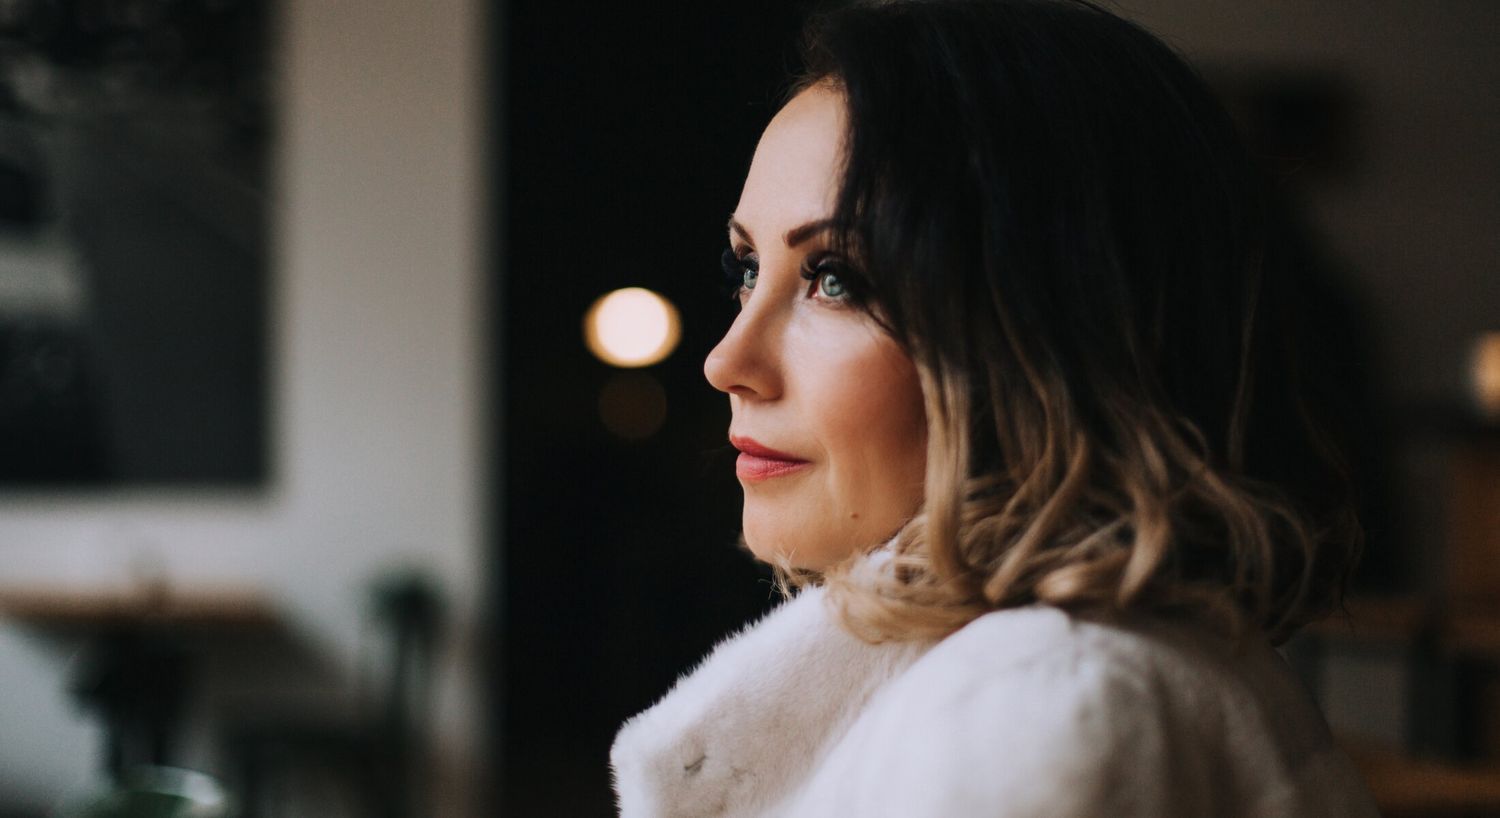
[(792, 237)]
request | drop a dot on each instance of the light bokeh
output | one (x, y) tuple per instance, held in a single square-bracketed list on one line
[(631, 327)]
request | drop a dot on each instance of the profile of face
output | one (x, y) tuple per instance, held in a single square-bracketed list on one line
[(827, 407)]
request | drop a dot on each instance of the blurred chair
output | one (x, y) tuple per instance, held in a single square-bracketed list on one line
[(1447, 635), (135, 681), (378, 752), (156, 792)]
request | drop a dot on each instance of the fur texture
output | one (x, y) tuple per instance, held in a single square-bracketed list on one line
[(732, 739), (1025, 712)]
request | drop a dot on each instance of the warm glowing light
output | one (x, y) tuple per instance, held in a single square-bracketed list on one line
[(1486, 374), (632, 327)]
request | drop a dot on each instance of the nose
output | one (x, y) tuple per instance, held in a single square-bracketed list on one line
[(746, 361)]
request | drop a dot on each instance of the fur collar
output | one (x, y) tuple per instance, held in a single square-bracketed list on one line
[(741, 731)]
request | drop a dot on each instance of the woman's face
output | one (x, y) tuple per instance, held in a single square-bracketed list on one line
[(828, 412)]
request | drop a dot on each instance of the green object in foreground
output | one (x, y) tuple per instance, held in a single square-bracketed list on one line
[(157, 792)]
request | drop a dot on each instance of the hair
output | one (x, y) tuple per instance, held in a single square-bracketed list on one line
[(1060, 224)]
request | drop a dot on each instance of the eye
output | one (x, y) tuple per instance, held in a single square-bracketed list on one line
[(830, 279), (831, 286), (740, 271)]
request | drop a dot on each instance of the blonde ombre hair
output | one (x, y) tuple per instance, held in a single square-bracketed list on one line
[(1061, 226)]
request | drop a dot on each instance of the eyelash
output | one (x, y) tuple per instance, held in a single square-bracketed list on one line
[(813, 270), (735, 266), (819, 267)]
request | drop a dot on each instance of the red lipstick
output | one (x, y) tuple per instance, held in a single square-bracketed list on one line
[(757, 462)]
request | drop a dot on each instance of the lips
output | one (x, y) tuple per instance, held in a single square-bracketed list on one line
[(757, 462)]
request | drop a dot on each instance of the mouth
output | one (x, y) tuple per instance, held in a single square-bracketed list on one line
[(757, 462)]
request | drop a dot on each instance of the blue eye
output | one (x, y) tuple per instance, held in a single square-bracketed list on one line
[(740, 272), (829, 278), (831, 286)]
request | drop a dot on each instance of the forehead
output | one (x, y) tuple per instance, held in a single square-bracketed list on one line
[(794, 176)]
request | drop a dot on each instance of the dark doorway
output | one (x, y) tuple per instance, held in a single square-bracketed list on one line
[(625, 132)]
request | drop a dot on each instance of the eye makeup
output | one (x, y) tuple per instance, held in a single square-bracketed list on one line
[(740, 271), (831, 277)]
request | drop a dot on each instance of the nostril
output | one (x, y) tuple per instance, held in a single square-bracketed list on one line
[(713, 370), (726, 367), (744, 362)]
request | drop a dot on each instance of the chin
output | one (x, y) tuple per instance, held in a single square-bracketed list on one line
[(788, 549), (758, 550), (764, 548)]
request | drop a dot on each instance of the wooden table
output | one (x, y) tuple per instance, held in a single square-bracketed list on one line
[(141, 645), (1456, 627), (72, 608)]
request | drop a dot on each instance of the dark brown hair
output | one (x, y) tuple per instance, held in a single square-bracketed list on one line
[(1058, 220)]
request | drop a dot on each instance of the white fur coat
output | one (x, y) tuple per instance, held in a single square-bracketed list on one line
[(1026, 712)]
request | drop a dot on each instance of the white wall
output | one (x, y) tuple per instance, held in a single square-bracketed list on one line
[(378, 381)]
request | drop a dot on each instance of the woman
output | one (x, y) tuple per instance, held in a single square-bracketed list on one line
[(1015, 391)]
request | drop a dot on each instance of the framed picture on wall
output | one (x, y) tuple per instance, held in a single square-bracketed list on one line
[(134, 198)]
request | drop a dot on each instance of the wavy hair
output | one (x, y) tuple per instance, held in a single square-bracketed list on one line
[(1060, 224)]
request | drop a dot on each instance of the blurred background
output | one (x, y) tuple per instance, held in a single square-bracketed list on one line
[(312, 480)]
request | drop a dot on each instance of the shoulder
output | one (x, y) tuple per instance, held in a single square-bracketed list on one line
[(1059, 715), (1041, 663), (1067, 692), (1082, 657)]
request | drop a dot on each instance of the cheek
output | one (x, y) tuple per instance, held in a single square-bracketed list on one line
[(873, 428), (853, 398)]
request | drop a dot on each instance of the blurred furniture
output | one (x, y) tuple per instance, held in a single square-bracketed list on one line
[(1451, 649), (1473, 552), (1407, 787), (140, 647), (377, 753), (1448, 633), (156, 792)]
